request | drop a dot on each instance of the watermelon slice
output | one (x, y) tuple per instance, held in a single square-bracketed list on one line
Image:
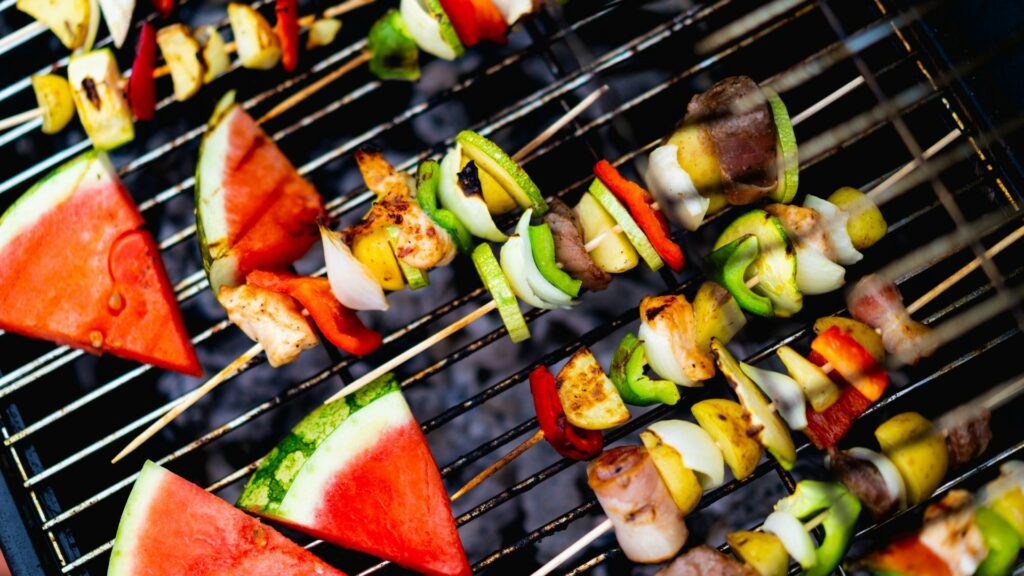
[(358, 472), (77, 268), (173, 527), (253, 210)]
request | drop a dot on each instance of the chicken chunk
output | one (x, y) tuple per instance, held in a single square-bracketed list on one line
[(273, 320)]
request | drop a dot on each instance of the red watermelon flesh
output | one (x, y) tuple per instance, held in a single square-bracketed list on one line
[(358, 472), (173, 527), (254, 209), (76, 268)]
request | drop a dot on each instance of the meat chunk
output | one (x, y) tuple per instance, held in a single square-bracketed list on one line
[(570, 250), (745, 139), (706, 561), (877, 302), (951, 533), (672, 318), (273, 320), (421, 243), (804, 225), (648, 524), (967, 434), (863, 480)]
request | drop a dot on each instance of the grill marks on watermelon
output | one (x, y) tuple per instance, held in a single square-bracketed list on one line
[(77, 269)]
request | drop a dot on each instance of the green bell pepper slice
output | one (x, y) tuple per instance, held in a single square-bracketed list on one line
[(841, 510), (394, 55), (542, 244), (1002, 542), (729, 266), (428, 178), (633, 384)]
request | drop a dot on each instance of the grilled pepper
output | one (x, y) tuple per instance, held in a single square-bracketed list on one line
[(840, 509), (394, 54), (164, 7), (635, 387), (828, 427), (337, 323), (1002, 542), (142, 84), (542, 244), (852, 361), (729, 266), (476, 20), (287, 30), (428, 177), (569, 441), (639, 202), (907, 556)]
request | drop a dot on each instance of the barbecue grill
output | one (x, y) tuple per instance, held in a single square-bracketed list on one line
[(872, 83)]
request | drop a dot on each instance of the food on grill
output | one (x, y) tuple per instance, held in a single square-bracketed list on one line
[(795, 539), (863, 334), (173, 527), (626, 223), (695, 448), (668, 329), (852, 361), (531, 279), (871, 477), (567, 439), (967, 433), (459, 192), (393, 53), (53, 95), (570, 249), (717, 315), (729, 265), (142, 84), (705, 561), (69, 20), (215, 52), (118, 16), (696, 155), (476, 20), (674, 187), (650, 220), (877, 302), (820, 390), (163, 7), (614, 254), (1001, 541), (358, 472), (490, 158), (648, 525), (816, 270), (428, 180), (834, 222), (181, 53), (353, 283), (680, 480), (726, 423), (764, 552), (273, 320), (786, 395), (542, 245), (257, 45), (1005, 495), (498, 285), (865, 223), (588, 396), (950, 531), (77, 268), (322, 32), (253, 209), (836, 510), (768, 428), (95, 80), (917, 450), (907, 556), (827, 428), (787, 157), (634, 385), (371, 246), (287, 29), (430, 27)]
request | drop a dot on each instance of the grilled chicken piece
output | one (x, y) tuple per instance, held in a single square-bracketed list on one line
[(745, 141), (877, 302), (967, 434), (805, 226), (273, 320), (648, 524), (421, 243), (863, 480), (570, 250), (951, 533), (673, 318), (706, 561)]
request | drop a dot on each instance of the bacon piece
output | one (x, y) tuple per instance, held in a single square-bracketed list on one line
[(706, 561), (877, 302)]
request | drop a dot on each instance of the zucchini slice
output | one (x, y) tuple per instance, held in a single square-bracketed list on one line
[(494, 279), (492, 159), (786, 150), (775, 265), (636, 236)]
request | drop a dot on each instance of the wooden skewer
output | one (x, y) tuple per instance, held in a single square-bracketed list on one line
[(308, 91), (499, 464)]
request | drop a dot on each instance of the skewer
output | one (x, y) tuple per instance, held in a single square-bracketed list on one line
[(194, 396)]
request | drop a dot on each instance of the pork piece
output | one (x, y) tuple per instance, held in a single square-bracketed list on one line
[(877, 302), (951, 533), (804, 225), (706, 561), (648, 524), (863, 480), (745, 140), (672, 317), (273, 320), (570, 250), (421, 243), (967, 434)]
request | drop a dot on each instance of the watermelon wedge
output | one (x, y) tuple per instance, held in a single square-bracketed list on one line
[(77, 268), (173, 527), (253, 210), (358, 472)]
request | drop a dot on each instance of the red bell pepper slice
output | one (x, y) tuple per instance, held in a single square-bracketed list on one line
[(908, 556), (568, 440), (164, 7), (287, 30), (852, 361), (826, 429), (476, 20), (142, 84), (337, 323), (640, 204)]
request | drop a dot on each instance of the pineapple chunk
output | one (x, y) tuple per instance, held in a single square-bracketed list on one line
[(322, 32), (258, 46), (53, 94), (96, 90), (215, 53), (181, 52), (67, 19)]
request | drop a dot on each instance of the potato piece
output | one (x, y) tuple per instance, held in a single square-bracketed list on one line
[(1010, 506), (864, 335), (257, 44), (497, 199), (717, 314), (373, 249), (681, 482), (819, 389), (762, 551), (322, 32), (215, 53), (866, 225), (698, 156), (67, 19), (588, 396), (95, 82), (723, 420), (181, 52), (614, 254), (53, 95), (917, 450)]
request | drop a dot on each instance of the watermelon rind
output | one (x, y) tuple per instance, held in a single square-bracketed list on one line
[(272, 489), (134, 518), (211, 221)]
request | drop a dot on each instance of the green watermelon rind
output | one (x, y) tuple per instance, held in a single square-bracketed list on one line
[(221, 112), (268, 486), (134, 518)]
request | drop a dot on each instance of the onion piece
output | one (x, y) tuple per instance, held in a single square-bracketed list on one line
[(893, 480), (815, 273), (697, 449), (660, 356), (672, 186), (351, 282), (515, 270), (786, 394), (546, 291), (795, 538), (1011, 476), (425, 30), (835, 224)]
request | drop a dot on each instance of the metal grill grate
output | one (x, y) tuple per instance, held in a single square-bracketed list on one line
[(864, 84)]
